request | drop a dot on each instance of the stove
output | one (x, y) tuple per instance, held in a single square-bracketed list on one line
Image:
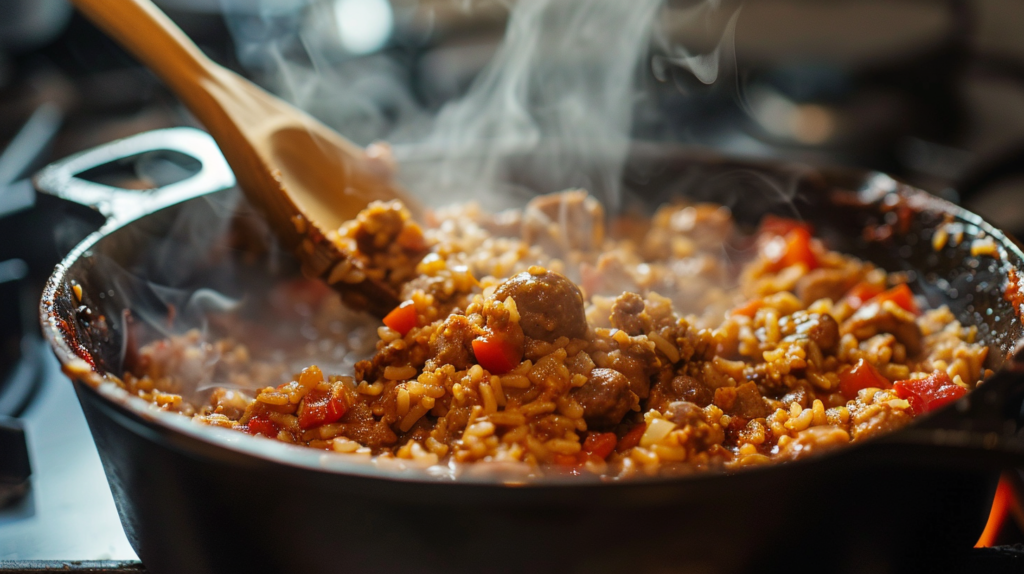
[(944, 109)]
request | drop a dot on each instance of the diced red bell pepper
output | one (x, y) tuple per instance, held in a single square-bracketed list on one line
[(260, 424), (497, 354), (902, 296), (631, 438), (320, 408), (797, 250), (862, 293), (775, 225), (600, 444), (930, 393), (749, 309), (862, 375), (402, 318)]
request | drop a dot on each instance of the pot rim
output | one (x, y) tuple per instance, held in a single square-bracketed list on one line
[(134, 411)]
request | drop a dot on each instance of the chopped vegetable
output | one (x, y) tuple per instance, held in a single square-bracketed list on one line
[(902, 296), (657, 430), (797, 249), (862, 293), (260, 424), (861, 376), (932, 392), (321, 407), (631, 438), (497, 354), (402, 318), (600, 444)]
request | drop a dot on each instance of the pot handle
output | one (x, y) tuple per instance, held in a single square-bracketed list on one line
[(119, 205)]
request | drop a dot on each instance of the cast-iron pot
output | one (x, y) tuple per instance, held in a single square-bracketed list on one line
[(200, 500)]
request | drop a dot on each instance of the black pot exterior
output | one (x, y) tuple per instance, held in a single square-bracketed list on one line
[(189, 508), (189, 505)]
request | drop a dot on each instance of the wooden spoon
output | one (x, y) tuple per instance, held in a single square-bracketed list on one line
[(305, 178)]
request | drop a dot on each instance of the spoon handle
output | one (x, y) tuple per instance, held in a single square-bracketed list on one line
[(154, 39)]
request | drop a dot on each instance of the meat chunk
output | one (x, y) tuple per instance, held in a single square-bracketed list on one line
[(684, 413), (824, 332), (744, 401), (360, 425), (814, 440), (605, 398), (873, 318), (802, 394), (875, 420), (689, 417), (680, 388), (550, 306), (559, 222), (820, 328), (635, 363), (451, 344), (825, 284), (382, 225), (627, 313)]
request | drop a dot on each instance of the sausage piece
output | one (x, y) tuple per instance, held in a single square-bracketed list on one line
[(550, 306), (824, 332), (744, 400), (820, 328), (626, 312), (452, 343), (825, 283), (679, 388), (814, 440), (605, 398), (872, 319)]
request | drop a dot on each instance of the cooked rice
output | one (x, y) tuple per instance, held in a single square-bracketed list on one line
[(661, 369)]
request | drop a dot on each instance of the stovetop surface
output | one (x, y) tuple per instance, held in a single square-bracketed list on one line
[(68, 513)]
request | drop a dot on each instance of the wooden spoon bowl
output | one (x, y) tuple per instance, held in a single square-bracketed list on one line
[(305, 178)]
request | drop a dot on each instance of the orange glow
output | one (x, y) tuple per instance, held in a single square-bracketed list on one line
[(997, 516)]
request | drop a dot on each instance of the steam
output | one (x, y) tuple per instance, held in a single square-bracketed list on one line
[(564, 75), (706, 65), (299, 55), (554, 105), (194, 289), (556, 101)]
